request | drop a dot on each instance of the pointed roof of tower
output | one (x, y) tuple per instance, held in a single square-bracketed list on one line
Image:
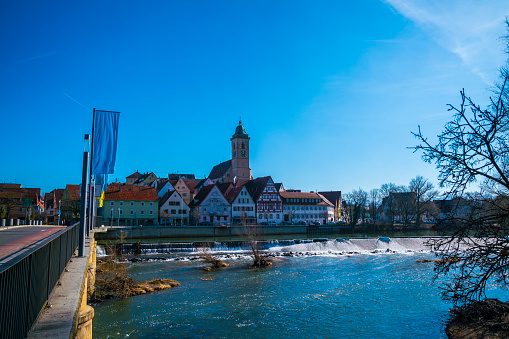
[(240, 132)]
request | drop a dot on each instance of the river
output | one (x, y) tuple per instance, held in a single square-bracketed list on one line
[(332, 289)]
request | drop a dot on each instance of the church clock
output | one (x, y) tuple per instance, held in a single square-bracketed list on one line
[(243, 153)]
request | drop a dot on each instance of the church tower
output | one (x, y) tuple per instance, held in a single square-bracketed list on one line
[(240, 155)]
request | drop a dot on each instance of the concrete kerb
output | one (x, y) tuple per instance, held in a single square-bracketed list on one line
[(59, 319), (4, 228)]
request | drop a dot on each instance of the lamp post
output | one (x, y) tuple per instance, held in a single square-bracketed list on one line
[(111, 217), (84, 185), (118, 217)]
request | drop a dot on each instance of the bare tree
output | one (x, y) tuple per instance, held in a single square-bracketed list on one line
[(404, 205), (356, 203), (424, 193), (374, 203), (389, 206), (473, 148)]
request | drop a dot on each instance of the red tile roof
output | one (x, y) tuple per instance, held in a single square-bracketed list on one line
[(74, 191), (10, 185), (204, 192), (130, 192), (135, 175), (304, 195), (333, 196), (191, 183), (220, 170), (234, 192), (256, 186)]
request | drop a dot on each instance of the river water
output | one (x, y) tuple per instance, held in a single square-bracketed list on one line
[(320, 290)]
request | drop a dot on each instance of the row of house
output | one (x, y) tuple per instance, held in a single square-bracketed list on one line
[(145, 199), (17, 202)]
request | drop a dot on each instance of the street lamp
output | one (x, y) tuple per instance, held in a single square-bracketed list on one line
[(118, 217), (111, 217)]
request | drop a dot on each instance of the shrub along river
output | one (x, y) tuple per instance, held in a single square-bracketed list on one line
[(338, 288)]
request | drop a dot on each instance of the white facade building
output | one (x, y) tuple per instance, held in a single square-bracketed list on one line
[(173, 210), (306, 208)]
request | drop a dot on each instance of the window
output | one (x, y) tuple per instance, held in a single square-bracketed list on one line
[(184, 194), (142, 212), (150, 212), (143, 203), (277, 216), (121, 212), (165, 211), (132, 212), (151, 203), (132, 203), (173, 211), (270, 216), (121, 203)]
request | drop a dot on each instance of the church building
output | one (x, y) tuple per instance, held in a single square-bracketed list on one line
[(237, 169)]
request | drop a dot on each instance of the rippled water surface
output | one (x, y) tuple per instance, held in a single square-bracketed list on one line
[(358, 296)]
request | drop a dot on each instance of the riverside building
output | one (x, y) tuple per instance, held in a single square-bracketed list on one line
[(306, 208)]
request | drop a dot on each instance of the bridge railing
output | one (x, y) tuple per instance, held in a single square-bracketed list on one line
[(27, 280)]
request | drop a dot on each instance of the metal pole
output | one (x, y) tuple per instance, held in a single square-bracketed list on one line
[(83, 213), (91, 203), (59, 212), (92, 197)]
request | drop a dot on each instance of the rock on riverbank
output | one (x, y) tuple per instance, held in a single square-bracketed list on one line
[(480, 319)]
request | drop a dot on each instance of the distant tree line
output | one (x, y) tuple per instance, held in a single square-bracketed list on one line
[(391, 204)]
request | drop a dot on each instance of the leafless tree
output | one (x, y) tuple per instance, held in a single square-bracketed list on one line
[(356, 203), (374, 203), (424, 193), (473, 148)]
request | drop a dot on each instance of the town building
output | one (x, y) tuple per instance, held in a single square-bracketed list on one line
[(177, 176), (52, 204), (269, 208), (145, 179), (173, 210), (18, 202), (237, 169), (306, 208), (130, 205), (186, 188), (163, 186), (243, 206), (132, 178), (334, 197), (210, 207), (71, 206)]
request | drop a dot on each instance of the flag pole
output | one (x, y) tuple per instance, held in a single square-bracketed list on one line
[(92, 198)]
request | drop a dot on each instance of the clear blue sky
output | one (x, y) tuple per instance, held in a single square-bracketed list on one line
[(328, 91)]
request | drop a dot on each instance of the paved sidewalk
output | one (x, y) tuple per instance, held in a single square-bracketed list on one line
[(15, 239)]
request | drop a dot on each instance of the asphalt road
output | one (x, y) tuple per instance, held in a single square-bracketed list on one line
[(17, 238)]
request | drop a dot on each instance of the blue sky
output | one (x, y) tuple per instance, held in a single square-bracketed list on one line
[(328, 91)]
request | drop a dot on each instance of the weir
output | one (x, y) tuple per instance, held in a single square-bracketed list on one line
[(313, 246)]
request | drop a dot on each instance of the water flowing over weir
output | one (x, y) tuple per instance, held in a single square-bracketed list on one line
[(318, 246)]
